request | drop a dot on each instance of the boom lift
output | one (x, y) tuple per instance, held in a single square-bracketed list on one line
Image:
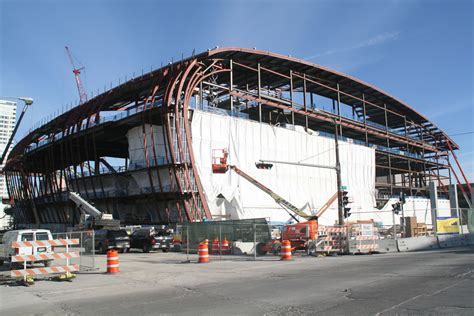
[(91, 217), (300, 234), (292, 210)]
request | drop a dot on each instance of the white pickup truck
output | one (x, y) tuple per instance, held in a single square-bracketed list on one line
[(6, 250)]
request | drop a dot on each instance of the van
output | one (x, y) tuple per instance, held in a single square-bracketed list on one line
[(6, 250)]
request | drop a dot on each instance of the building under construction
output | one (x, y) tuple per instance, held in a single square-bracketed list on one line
[(143, 151)]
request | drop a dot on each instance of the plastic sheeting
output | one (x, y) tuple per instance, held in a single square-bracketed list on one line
[(231, 196)]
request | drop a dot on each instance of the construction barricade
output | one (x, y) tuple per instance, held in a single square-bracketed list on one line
[(363, 238), (46, 258), (332, 239)]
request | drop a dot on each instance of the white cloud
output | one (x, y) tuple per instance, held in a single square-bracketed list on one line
[(373, 41)]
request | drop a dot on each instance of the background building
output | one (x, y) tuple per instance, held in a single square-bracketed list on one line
[(7, 124)]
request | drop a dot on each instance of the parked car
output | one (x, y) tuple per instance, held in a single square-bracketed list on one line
[(105, 239), (6, 250), (149, 239)]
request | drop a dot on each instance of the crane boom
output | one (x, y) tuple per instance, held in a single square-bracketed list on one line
[(290, 208), (327, 205), (98, 218), (77, 76)]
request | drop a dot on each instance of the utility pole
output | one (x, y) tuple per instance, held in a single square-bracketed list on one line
[(340, 207)]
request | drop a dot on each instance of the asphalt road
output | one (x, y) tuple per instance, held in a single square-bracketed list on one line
[(430, 283)]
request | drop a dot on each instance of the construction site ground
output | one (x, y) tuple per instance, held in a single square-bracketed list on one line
[(435, 282)]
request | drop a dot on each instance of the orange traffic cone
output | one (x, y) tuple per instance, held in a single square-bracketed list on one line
[(112, 261), (286, 250), (215, 246), (225, 246), (203, 252)]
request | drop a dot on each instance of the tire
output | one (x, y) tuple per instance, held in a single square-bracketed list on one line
[(146, 248), (165, 249), (311, 251), (101, 249), (47, 263), (2, 262), (276, 249), (261, 249), (121, 250)]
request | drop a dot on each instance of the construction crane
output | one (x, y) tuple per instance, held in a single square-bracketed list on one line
[(77, 76)]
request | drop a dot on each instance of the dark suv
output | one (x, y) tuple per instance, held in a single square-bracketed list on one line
[(106, 239), (149, 239)]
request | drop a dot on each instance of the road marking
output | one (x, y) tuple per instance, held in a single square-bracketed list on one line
[(400, 304), (417, 296)]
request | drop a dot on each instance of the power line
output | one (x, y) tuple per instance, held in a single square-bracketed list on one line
[(465, 133)]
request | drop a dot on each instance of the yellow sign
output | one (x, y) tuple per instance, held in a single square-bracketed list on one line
[(447, 225)]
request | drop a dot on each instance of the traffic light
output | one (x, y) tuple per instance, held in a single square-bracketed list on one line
[(345, 198), (396, 208), (402, 197), (345, 202), (262, 165), (347, 212)]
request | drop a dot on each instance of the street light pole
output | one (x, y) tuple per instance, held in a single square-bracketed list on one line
[(340, 206), (28, 102)]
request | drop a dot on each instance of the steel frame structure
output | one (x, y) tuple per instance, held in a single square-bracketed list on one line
[(71, 152)]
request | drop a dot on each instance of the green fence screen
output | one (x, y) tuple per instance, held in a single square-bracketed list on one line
[(232, 230)]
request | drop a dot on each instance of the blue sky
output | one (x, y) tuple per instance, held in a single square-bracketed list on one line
[(419, 51)]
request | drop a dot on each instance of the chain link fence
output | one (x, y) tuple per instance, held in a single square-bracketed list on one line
[(86, 249), (244, 239)]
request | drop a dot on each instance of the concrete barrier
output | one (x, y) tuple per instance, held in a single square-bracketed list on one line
[(362, 246), (450, 241), (387, 245), (417, 243), (242, 248), (469, 239)]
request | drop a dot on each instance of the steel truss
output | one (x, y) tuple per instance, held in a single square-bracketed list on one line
[(70, 152)]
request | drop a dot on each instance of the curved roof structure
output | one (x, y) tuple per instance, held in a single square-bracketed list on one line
[(145, 123), (352, 91)]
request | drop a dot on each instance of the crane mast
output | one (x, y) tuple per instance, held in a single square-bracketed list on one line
[(77, 76)]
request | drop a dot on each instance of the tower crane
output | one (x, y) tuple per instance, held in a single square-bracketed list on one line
[(77, 76)]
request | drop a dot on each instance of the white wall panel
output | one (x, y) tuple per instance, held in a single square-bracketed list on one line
[(249, 141)]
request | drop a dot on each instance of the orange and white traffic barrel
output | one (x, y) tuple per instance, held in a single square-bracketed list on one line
[(225, 246), (112, 261), (285, 250), (215, 246), (203, 252)]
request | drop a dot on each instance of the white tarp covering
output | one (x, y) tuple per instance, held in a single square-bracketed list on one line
[(231, 196), (136, 142)]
